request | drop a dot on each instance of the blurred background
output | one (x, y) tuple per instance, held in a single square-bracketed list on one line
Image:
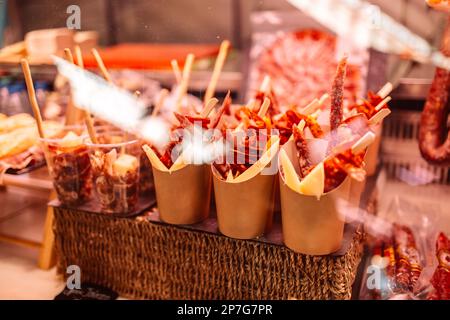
[(137, 40)]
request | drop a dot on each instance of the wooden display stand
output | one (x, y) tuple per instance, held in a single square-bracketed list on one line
[(38, 180)]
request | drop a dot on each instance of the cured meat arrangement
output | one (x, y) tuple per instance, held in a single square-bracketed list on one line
[(301, 65)]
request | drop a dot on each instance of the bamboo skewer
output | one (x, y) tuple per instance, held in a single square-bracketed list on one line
[(185, 80), (218, 66), (79, 57), (265, 85), (159, 104), (101, 65), (32, 97), (71, 112), (382, 103), (363, 142), (87, 117), (176, 70), (209, 107), (385, 90), (264, 107), (379, 116)]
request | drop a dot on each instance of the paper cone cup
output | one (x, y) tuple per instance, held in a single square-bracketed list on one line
[(312, 226), (244, 209), (371, 158), (183, 196), (245, 206)]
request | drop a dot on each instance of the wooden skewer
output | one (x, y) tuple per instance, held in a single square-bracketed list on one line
[(363, 142), (264, 107), (209, 107), (382, 103), (32, 97), (72, 114), (79, 56), (379, 116), (159, 104), (314, 105), (385, 90), (176, 70), (323, 98), (185, 80), (265, 85), (87, 117), (69, 56), (220, 61), (101, 65), (311, 107)]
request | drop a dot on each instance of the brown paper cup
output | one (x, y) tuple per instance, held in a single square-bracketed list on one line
[(371, 158), (244, 209), (312, 226), (183, 196)]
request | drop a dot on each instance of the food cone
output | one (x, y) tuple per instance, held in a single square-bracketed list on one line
[(311, 225)]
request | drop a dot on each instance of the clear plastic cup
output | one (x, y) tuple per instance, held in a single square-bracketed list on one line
[(115, 162), (69, 166)]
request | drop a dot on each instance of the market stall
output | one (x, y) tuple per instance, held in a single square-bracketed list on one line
[(213, 171)]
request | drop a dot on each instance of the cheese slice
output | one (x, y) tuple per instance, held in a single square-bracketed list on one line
[(259, 165), (125, 163), (154, 159), (314, 183), (71, 140), (290, 175)]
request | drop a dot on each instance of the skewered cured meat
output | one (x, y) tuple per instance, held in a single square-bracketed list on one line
[(248, 147), (337, 95), (434, 136), (188, 122), (290, 118), (304, 159), (340, 165), (441, 277), (337, 107), (408, 266), (367, 106), (301, 66)]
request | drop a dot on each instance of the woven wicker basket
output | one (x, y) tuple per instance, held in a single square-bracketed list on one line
[(144, 258)]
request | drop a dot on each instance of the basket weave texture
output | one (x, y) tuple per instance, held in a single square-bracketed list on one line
[(142, 259)]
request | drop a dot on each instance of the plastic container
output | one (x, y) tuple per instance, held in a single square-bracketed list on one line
[(115, 162), (69, 165)]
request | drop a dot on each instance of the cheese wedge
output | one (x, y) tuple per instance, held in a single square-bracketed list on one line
[(125, 163), (314, 183), (154, 159), (71, 140), (379, 116), (289, 173), (259, 165)]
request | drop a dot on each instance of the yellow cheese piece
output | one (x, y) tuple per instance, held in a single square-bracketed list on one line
[(124, 164), (259, 165), (314, 183), (154, 160), (290, 175), (71, 140)]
